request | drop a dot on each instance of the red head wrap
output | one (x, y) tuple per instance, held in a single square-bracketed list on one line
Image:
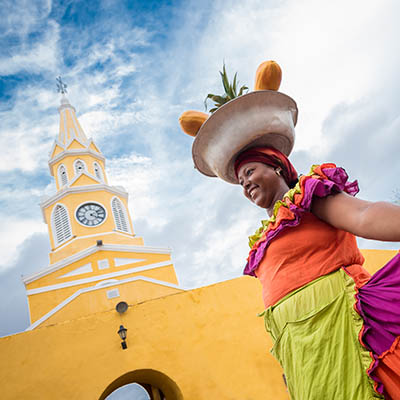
[(269, 156)]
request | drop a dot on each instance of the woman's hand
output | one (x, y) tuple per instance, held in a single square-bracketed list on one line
[(377, 221)]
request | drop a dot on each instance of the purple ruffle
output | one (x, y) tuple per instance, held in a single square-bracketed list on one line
[(313, 186), (378, 303)]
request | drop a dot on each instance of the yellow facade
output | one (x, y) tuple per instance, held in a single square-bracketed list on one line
[(201, 344)]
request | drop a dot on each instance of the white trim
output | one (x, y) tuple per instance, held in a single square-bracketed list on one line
[(124, 215), (64, 106), (91, 250), (82, 189), (78, 131), (92, 288), (95, 234), (55, 143), (91, 202), (101, 174), (88, 174), (76, 152), (107, 282), (78, 271), (59, 176), (113, 294), (65, 126), (96, 278), (79, 172), (54, 228), (103, 264), (119, 261)]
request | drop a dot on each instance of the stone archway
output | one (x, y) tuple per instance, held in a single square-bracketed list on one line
[(158, 385)]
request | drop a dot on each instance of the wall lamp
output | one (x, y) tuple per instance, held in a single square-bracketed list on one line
[(121, 307), (122, 334)]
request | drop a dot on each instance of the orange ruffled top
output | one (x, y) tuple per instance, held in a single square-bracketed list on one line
[(294, 247)]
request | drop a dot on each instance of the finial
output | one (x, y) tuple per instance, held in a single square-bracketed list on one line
[(61, 86)]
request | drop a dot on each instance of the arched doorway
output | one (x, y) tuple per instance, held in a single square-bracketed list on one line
[(157, 385), (132, 391)]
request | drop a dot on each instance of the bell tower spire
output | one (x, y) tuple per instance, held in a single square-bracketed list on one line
[(70, 129)]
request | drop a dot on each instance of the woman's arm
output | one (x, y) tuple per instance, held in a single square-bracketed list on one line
[(378, 221)]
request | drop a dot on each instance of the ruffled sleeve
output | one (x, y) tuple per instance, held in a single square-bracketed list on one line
[(323, 180)]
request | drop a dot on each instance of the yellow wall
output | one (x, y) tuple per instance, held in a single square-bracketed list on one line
[(208, 341), (375, 259)]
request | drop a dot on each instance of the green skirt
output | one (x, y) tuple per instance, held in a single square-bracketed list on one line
[(315, 334)]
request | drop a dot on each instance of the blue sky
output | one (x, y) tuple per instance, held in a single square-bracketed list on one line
[(132, 67)]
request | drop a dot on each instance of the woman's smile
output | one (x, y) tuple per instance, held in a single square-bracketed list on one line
[(261, 184)]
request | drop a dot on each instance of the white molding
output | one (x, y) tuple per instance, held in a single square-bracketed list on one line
[(76, 152), (91, 250), (84, 172), (97, 278), (92, 288), (119, 261), (78, 271), (130, 236), (81, 189)]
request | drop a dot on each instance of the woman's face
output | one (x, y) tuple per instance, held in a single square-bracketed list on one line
[(261, 184)]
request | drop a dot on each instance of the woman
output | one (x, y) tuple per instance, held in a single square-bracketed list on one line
[(311, 273), (335, 329)]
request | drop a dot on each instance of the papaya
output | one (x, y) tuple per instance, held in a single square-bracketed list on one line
[(268, 76), (191, 121)]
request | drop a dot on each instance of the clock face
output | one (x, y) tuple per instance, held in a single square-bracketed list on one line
[(90, 214)]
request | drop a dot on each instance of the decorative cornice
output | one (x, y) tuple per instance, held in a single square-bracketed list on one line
[(75, 238), (91, 250), (92, 288), (76, 152)]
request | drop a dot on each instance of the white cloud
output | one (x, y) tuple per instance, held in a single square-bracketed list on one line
[(14, 231), (37, 58)]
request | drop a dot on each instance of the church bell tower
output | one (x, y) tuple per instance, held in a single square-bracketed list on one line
[(96, 260)]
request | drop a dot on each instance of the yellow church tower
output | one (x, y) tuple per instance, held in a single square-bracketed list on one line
[(96, 259)]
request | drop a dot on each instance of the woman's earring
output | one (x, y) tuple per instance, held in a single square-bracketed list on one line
[(278, 172)]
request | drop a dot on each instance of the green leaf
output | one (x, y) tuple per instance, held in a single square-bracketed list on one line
[(209, 96), (230, 91), (242, 89), (225, 82), (219, 99), (234, 85)]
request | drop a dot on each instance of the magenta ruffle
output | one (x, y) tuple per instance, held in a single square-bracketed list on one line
[(334, 181)]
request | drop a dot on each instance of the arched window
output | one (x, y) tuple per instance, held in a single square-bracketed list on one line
[(97, 171), (80, 166), (61, 225), (62, 175), (120, 218)]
